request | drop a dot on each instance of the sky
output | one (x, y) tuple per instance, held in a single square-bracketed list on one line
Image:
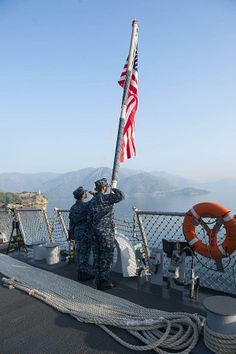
[(60, 100)]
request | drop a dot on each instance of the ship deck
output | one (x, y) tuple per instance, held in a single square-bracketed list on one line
[(30, 326)]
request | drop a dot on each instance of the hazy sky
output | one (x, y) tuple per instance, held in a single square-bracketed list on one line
[(59, 97)]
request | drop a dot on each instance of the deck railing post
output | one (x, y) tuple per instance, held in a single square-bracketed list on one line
[(63, 224), (143, 233), (49, 226)]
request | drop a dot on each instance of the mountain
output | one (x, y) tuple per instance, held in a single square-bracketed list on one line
[(177, 181), (135, 184), (142, 189), (144, 183), (146, 191), (19, 182), (59, 190)]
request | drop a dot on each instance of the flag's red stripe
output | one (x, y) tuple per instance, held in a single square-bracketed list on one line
[(128, 148)]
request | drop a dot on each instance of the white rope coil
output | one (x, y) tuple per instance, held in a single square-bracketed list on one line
[(219, 343), (158, 330)]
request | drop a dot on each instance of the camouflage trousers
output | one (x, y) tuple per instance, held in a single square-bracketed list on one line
[(83, 244), (103, 251)]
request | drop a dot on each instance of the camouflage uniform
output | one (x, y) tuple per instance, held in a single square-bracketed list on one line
[(82, 236), (100, 217)]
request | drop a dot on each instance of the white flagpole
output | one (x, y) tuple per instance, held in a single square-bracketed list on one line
[(132, 50)]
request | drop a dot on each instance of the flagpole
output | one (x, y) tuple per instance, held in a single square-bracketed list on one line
[(132, 50)]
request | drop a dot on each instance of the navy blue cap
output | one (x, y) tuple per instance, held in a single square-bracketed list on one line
[(79, 192), (100, 183)]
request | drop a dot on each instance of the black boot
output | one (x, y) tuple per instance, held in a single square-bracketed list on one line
[(83, 276), (105, 284)]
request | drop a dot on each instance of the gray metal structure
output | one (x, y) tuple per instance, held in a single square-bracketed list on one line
[(221, 314)]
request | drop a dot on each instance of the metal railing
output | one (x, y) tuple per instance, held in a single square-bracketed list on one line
[(60, 226), (33, 223), (147, 227), (5, 222), (156, 226)]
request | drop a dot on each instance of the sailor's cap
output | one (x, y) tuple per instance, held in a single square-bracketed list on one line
[(79, 192), (101, 183)]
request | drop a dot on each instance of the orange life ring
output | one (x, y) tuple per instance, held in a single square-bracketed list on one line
[(213, 249)]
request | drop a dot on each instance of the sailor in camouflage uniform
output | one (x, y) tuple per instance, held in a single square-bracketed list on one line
[(79, 231), (100, 218)]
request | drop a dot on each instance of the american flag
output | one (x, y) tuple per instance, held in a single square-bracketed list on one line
[(128, 149)]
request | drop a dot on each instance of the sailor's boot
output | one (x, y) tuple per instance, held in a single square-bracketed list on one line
[(83, 276), (97, 284), (105, 285)]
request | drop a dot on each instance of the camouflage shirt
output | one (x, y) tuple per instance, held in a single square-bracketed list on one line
[(101, 211), (78, 214)]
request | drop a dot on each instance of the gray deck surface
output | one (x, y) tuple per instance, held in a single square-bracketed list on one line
[(28, 326)]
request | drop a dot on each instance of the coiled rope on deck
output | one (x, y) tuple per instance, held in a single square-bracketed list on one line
[(158, 330), (219, 343)]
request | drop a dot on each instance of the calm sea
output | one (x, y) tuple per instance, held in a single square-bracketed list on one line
[(174, 203)]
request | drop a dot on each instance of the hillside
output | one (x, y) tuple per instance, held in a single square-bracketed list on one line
[(9, 198), (23, 200), (144, 183), (178, 181)]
